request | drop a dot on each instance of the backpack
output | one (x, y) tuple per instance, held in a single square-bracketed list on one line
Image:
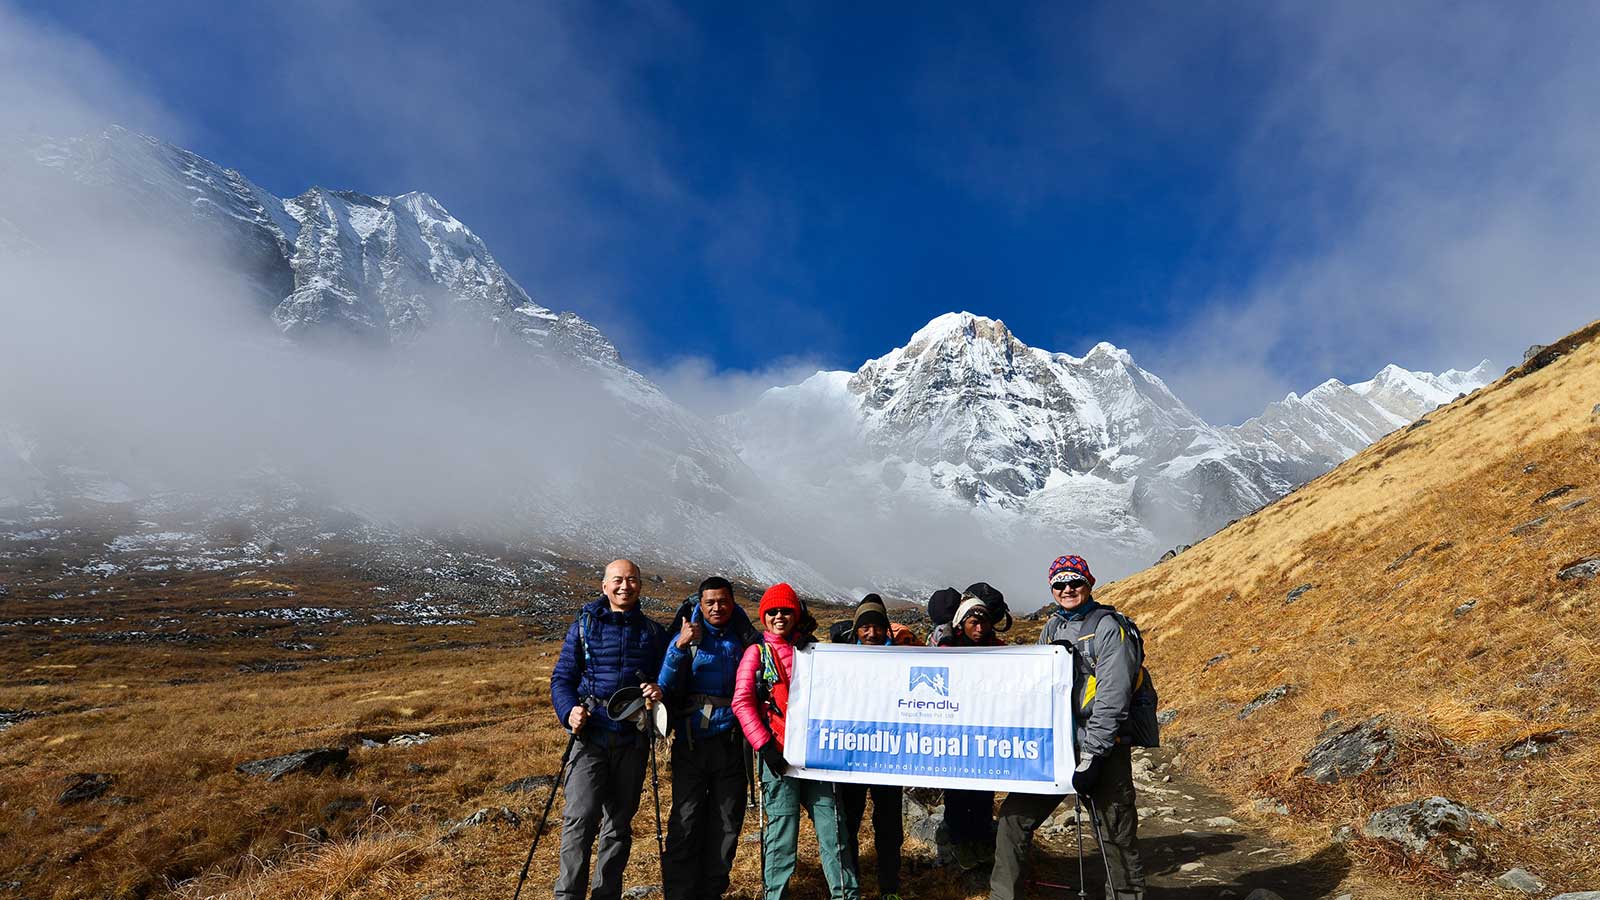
[(994, 601), (942, 606), (677, 698), (1142, 727)]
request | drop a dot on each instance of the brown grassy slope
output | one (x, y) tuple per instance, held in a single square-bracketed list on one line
[(169, 721), (1393, 542)]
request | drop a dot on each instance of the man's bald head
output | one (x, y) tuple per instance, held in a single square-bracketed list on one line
[(621, 585)]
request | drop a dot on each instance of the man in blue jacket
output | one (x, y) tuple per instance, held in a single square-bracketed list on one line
[(610, 645), (708, 752)]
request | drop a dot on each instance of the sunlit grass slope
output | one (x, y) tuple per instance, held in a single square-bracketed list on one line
[(1424, 605)]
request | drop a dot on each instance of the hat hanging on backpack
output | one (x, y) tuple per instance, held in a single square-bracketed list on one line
[(942, 605)]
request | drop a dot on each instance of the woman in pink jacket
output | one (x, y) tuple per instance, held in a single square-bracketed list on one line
[(760, 699)]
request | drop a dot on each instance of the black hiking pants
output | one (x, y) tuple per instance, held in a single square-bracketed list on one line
[(888, 830), (709, 784), (1113, 799), (601, 796)]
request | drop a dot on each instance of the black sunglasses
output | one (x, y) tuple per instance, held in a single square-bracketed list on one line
[(1063, 585)]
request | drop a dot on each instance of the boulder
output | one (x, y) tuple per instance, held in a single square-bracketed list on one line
[(1435, 829), (1348, 752), (1553, 493), (1263, 894), (1582, 570), (487, 816), (1531, 352), (528, 784), (1520, 880), (1578, 895), (1533, 744), (1402, 558), (1464, 608), (1166, 717), (1218, 658), (313, 760), (10, 717), (1529, 526), (1297, 593), (641, 891), (83, 786), (333, 809), (1266, 699)]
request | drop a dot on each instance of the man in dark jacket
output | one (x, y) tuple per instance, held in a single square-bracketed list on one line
[(610, 645), (969, 814), (872, 629), (1105, 763), (708, 752)]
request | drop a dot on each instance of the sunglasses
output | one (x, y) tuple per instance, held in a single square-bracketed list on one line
[(781, 611), (1064, 585)]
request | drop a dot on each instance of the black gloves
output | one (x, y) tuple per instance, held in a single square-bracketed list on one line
[(1087, 775), (773, 757)]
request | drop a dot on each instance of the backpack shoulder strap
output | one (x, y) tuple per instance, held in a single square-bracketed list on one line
[(771, 669)]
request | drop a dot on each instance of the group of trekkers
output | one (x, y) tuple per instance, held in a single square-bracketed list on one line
[(725, 681)]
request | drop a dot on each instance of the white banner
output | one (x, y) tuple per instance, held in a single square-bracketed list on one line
[(984, 718)]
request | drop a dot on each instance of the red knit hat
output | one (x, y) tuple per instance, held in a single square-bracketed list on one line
[(779, 596), (1073, 564)]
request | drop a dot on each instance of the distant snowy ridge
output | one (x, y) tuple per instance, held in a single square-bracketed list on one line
[(1092, 447)]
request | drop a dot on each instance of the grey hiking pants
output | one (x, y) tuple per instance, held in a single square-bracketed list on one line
[(601, 796), (708, 799), (1113, 799)]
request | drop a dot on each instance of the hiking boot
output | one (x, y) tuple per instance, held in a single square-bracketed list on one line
[(968, 856)]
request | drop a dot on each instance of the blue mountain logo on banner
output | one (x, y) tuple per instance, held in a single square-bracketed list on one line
[(935, 677)]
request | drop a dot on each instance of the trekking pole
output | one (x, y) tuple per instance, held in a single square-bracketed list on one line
[(655, 788), (1094, 823), (761, 821), (750, 777), (549, 801), (1077, 817)]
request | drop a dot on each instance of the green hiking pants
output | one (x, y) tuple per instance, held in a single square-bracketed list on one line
[(783, 798)]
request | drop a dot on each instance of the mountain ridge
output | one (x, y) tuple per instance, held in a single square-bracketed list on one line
[(965, 423), (966, 411)]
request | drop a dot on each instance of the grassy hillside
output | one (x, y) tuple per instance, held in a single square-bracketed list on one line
[(1433, 599)]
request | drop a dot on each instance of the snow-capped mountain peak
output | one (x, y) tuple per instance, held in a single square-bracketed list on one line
[(966, 413)]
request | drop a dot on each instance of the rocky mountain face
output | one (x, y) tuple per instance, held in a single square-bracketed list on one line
[(325, 263), (965, 430), (369, 278), (1093, 446)]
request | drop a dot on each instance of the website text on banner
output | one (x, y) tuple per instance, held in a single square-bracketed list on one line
[(984, 718)]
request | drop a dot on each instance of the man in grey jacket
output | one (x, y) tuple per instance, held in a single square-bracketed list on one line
[(1108, 667)]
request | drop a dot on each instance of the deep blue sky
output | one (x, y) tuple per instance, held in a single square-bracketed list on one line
[(1248, 199)]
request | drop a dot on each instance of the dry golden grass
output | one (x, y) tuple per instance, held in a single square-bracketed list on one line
[(170, 722), (1393, 542)]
